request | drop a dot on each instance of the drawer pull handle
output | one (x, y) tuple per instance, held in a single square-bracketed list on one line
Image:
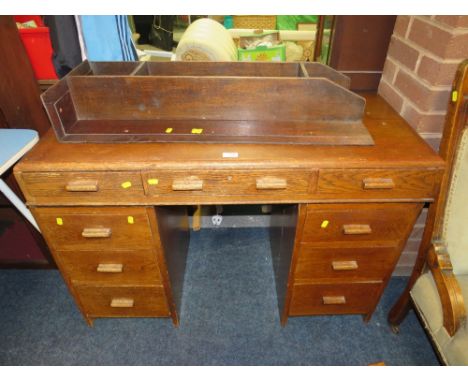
[(82, 185), (96, 232), (271, 183), (122, 303), (344, 265), (357, 229), (378, 183), (334, 300), (110, 268), (188, 184)]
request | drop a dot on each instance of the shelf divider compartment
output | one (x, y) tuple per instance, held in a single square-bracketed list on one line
[(206, 102)]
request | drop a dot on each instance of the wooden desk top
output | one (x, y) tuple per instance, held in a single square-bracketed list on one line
[(397, 145)]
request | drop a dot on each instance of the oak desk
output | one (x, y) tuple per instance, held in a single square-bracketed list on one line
[(114, 216)]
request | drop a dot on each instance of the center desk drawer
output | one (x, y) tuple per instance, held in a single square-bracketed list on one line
[(359, 222), (111, 267), (392, 183), (103, 228), (74, 187), (228, 182)]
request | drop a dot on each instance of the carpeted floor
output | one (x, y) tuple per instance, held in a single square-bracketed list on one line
[(229, 317)]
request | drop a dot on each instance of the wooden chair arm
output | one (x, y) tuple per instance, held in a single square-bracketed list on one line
[(449, 290)]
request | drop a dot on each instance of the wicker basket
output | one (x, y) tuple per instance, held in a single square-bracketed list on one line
[(254, 22)]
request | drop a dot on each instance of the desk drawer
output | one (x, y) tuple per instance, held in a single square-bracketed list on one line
[(103, 228), (221, 182), (352, 298), (111, 267), (148, 301), (359, 222), (82, 186), (351, 263), (377, 183)]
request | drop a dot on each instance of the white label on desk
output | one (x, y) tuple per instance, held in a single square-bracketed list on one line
[(230, 155)]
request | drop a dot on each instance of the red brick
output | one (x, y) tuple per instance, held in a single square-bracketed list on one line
[(417, 232), (389, 71), (412, 245), (454, 21), (432, 140), (426, 99), (422, 218), (389, 95), (426, 17), (435, 72), (430, 37), (407, 259), (431, 123), (403, 53), (438, 41), (401, 25), (427, 123), (458, 47)]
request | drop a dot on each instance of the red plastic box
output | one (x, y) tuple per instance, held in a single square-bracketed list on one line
[(38, 47)]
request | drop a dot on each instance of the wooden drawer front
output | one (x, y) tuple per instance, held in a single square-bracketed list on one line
[(377, 183), (228, 182), (344, 263), (111, 267), (353, 298), (359, 222), (148, 301), (82, 186), (104, 228)]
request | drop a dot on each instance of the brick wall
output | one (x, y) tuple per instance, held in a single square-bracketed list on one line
[(422, 58)]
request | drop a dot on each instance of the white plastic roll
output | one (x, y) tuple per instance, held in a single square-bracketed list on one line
[(206, 40)]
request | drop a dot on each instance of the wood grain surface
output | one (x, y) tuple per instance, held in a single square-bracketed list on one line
[(66, 234), (206, 102), (386, 222), (354, 298), (321, 263), (138, 267), (147, 301)]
